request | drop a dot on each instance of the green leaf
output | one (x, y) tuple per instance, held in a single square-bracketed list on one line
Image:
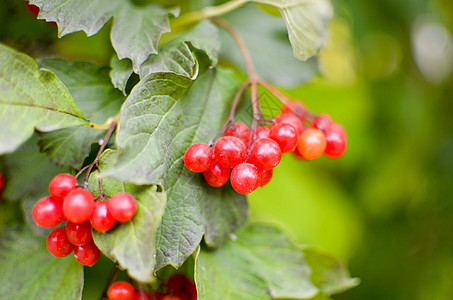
[(177, 56), (31, 272), (28, 172), (306, 23), (135, 31), (266, 39), (131, 244), (260, 263), (329, 273), (90, 86), (31, 99), (158, 124), (121, 72)]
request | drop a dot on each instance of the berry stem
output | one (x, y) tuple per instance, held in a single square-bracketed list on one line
[(142, 293), (274, 91), (111, 279), (230, 119), (240, 42), (105, 141)]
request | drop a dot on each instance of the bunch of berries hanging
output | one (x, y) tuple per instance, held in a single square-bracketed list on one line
[(77, 206), (247, 157)]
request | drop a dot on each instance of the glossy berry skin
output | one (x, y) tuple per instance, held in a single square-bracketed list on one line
[(262, 132), (296, 108), (322, 122), (266, 176), (290, 118), (121, 290), (78, 234), (312, 143), (285, 135), (48, 212), (58, 243), (239, 130), (78, 206), (87, 254), (230, 151), (198, 157), (245, 178), (217, 175), (336, 141), (123, 207), (61, 185), (101, 219), (265, 154)]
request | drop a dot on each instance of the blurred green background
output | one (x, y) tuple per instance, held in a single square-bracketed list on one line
[(386, 207)]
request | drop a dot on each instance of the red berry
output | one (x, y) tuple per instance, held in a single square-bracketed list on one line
[(78, 234), (285, 135), (312, 143), (322, 122), (265, 154), (138, 295), (48, 212), (159, 295), (245, 178), (61, 185), (78, 205), (230, 151), (262, 132), (336, 141), (290, 118), (296, 108), (102, 220), (217, 175), (297, 154), (266, 176), (171, 298), (198, 157), (121, 290), (122, 206), (58, 243), (239, 130), (87, 254), (2, 182)]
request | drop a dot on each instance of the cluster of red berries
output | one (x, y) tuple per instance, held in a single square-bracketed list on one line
[(178, 287), (77, 206), (251, 167)]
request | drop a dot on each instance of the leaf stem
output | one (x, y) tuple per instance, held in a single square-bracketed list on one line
[(206, 13), (107, 123)]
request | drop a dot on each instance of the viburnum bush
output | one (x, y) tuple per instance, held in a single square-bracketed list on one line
[(144, 164)]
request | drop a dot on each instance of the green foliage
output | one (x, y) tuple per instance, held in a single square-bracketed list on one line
[(306, 23), (135, 31), (182, 97), (262, 263), (31, 98), (153, 145), (95, 95), (133, 244), (31, 272)]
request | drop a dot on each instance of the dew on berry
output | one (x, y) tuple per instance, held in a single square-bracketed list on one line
[(265, 154), (230, 151), (58, 243), (245, 178), (198, 157)]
